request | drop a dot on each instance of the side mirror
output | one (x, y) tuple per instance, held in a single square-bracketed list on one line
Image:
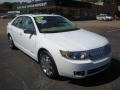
[(29, 31)]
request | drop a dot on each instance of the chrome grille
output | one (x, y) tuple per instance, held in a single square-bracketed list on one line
[(100, 53)]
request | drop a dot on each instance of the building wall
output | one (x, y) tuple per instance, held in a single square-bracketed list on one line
[(79, 10), (111, 9)]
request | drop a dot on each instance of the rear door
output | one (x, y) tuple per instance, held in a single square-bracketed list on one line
[(16, 29)]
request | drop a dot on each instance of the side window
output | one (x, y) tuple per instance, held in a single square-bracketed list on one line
[(28, 23), (17, 21), (24, 22)]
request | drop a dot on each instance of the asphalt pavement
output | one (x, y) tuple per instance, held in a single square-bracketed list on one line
[(20, 72)]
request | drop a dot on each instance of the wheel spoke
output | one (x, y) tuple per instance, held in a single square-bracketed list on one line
[(46, 65)]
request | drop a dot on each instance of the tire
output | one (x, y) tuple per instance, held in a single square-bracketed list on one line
[(11, 43), (48, 65)]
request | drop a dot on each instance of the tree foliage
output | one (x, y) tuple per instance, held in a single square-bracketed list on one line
[(7, 6)]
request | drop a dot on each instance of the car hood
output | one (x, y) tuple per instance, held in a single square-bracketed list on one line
[(78, 40)]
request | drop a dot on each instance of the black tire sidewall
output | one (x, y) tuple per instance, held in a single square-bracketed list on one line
[(13, 46)]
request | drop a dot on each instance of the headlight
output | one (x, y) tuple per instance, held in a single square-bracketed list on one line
[(80, 55)]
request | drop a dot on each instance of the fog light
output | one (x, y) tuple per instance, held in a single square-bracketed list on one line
[(79, 73)]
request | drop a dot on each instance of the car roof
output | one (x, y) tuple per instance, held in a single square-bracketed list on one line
[(35, 15)]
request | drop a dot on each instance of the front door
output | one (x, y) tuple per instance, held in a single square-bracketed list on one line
[(28, 41)]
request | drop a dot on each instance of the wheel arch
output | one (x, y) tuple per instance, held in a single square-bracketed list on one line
[(44, 49), (40, 50)]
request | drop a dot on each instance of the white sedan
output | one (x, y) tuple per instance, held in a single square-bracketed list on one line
[(59, 46), (104, 17)]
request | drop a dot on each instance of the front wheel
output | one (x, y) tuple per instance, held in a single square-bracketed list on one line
[(48, 65)]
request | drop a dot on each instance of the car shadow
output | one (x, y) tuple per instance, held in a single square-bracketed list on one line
[(112, 73)]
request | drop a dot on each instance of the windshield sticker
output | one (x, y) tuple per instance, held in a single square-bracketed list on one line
[(40, 19)]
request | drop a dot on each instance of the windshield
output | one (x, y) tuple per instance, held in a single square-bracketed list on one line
[(54, 24)]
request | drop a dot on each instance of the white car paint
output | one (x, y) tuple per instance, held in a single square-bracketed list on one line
[(80, 40)]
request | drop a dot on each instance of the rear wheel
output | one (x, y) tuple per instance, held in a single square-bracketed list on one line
[(48, 65), (11, 43)]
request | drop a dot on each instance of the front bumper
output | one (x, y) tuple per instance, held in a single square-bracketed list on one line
[(82, 69)]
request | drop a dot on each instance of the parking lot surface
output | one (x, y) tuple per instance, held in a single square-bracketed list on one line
[(19, 72)]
